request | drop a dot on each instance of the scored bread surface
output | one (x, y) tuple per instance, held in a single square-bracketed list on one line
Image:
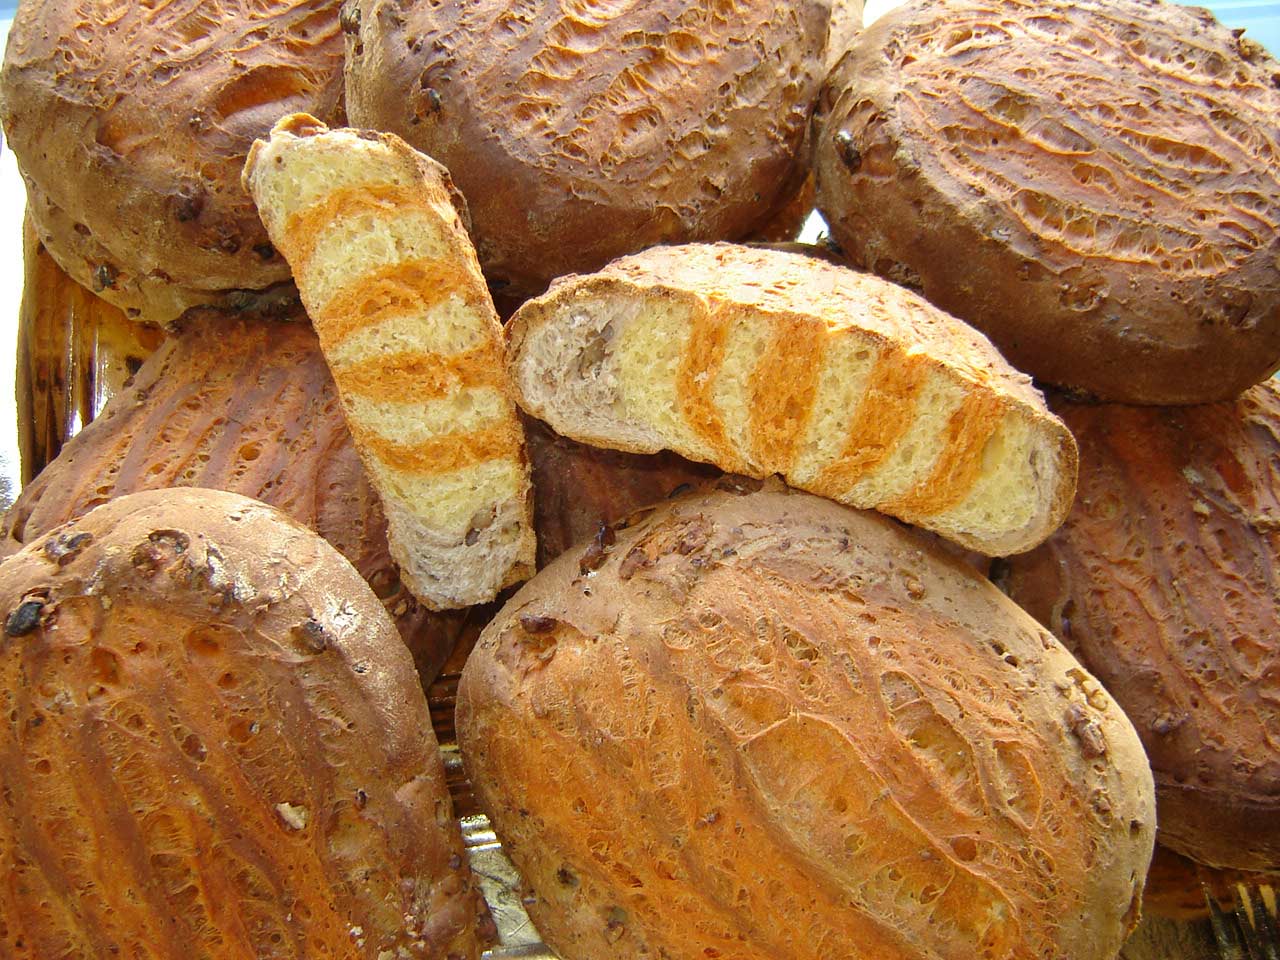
[(765, 362), (213, 744), (390, 279), (767, 727)]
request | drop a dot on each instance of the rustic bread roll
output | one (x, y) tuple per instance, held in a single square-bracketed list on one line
[(243, 404), (1163, 581), (212, 743), (581, 491), (374, 233), (131, 122), (1094, 185), (763, 362), (771, 727), (580, 133)]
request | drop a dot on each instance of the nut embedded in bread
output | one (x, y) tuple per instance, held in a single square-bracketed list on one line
[(244, 404), (764, 362), (384, 265), (1163, 580), (581, 132), (131, 121), (771, 728), (1093, 184), (213, 743)]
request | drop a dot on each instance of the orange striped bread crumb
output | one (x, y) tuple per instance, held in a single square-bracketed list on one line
[(375, 235)]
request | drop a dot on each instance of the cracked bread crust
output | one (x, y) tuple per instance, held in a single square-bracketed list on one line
[(580, 132), (213, 741), (767, 726), (1094, 185), (131, 123)]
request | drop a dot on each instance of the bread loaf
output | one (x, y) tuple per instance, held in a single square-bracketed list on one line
[(130, 123), (212, 743), (1094, 185), (764, 362), (390, 279), (243, 404), (582, 132), (1163, 580), (768, 727)]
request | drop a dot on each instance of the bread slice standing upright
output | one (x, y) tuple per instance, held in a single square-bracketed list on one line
[(375, 235), (765, 362)]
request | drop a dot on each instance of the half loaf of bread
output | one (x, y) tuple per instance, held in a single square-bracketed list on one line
[(765, 362), (374, 233)]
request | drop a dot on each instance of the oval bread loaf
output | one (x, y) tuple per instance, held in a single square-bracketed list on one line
[(243, 404), (1095, 185), (764, 362), (580, 132), (768, 727), (131, 122), (1164, 581), (212, 743), (375, 235)]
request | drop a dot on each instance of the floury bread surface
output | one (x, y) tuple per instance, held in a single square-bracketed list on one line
[(763, 362), (375, 235), (768, 727)]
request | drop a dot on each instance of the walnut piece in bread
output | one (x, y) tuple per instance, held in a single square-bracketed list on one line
[(213, 743), (375, 235), (762, 361), (768, 727)]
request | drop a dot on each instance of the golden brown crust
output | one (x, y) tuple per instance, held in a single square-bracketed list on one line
[(1110, 221), (579, 134), (1163, 579), (131, 123), (770, 727), (244, 404), (213, 742), (580, 490)]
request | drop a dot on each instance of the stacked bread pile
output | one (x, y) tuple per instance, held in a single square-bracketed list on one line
[(754, 704)]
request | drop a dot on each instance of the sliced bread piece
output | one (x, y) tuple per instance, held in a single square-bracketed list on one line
[(374, 233), (764, 362)]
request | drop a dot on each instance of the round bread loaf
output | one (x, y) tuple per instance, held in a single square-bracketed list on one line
[(1163, 580), (131, 123), (1094, 185), (244, 404), (212, 743), (579, 133), (768, 726)]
